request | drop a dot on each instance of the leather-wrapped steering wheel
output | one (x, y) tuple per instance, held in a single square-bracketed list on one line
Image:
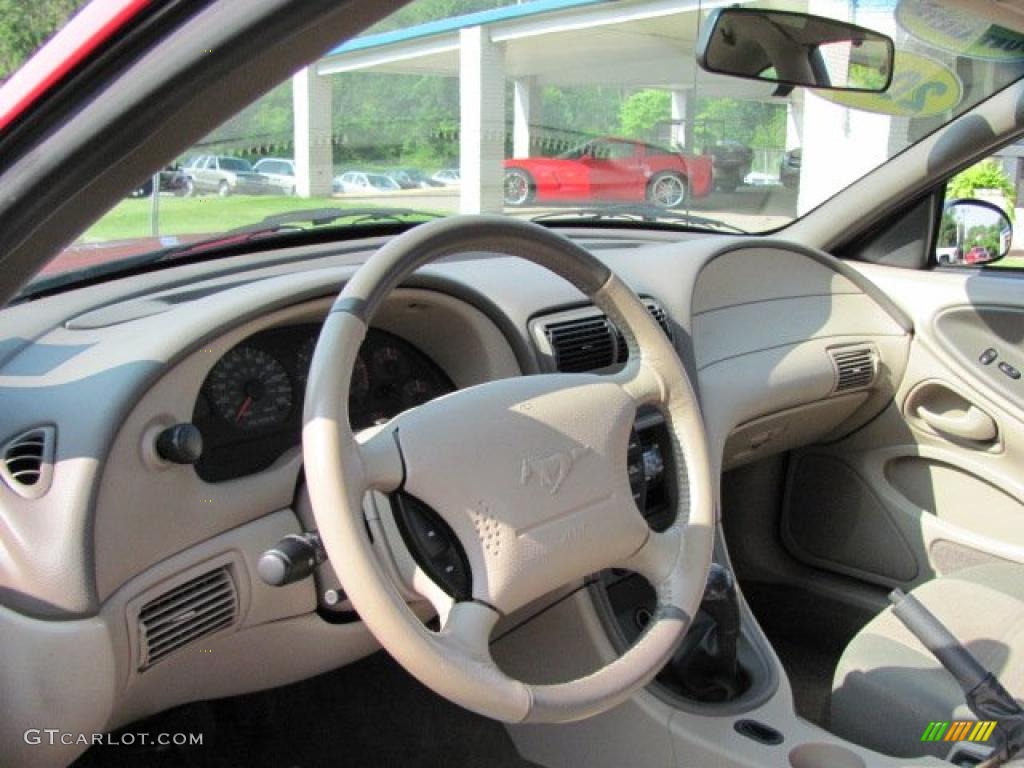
[(467, 456)]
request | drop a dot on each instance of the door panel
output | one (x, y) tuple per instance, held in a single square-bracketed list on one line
[(936, 482)]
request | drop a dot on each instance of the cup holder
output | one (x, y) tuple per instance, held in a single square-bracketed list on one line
[(824, 756)]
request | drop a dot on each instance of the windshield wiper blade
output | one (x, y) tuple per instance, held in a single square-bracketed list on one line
[(319, 217), (647, 213)]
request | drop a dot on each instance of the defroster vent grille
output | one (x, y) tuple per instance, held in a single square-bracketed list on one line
[(195, 609)]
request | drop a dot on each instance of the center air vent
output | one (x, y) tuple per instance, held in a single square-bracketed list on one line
[(27, 462), (195, 609), (580, 345), (583, 340), (855, 367)]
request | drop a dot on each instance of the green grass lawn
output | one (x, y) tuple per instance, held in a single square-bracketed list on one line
[(191, 215), (1013, 262)]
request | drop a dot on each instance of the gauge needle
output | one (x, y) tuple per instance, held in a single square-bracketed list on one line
[(243, 410)]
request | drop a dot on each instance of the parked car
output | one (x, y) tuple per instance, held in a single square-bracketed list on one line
[(731, 161), (949, 255), (224, 175), (172, 179), (609, 169), (279, 173), (789, 168), (447, 177), (412, 178), (361, 181), (978, 254)]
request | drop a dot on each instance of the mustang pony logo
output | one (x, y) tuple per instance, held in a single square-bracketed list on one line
[(552, 470)]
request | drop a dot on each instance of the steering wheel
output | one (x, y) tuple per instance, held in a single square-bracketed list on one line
[(529, 474)]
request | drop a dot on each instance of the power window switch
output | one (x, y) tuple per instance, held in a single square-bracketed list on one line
[(988, 356), (1009, 370)]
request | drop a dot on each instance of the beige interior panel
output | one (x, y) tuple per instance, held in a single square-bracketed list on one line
[(180, 508), (645, 732), (946, 459), (791, 275), (958, 497), (739, 330)]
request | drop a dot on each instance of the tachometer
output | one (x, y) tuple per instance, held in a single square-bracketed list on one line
[(390, 364), (250, 389), (360, 375), (417, 392)]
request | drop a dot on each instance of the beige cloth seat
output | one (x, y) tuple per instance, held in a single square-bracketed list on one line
[(888, 687)]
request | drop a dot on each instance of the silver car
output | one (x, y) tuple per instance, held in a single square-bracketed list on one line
[(359, 181), (279, 173), (224, 175)]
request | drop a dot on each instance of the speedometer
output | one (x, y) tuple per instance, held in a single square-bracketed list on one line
[(250, 389)]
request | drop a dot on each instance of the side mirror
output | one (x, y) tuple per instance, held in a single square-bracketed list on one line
[(972, 232), (795, 49)]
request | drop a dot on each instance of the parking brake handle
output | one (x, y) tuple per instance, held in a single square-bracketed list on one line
[(986, 696)]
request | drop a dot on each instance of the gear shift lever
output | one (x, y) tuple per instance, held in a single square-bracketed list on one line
[(706, 665)]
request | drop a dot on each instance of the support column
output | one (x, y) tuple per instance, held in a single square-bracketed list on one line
[(684, 110), (314, 154), (795, 119), (482, 122), (526, 101)]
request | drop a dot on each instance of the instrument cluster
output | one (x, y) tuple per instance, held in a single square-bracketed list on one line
[(249, 408)]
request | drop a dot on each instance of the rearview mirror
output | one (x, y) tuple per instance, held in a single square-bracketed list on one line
[(972, 232), (795, 49)]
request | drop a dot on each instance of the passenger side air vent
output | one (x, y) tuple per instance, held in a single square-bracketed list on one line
[(583, 344), (195, 609), (27, 462), (855, 367)]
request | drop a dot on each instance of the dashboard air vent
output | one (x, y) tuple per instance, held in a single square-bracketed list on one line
[(583, 344), (659, 314), (195, 609), (855, 367), (27, 462), (581, 340)]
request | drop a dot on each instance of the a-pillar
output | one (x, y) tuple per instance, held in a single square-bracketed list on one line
[(526, 105), (314, 155), (482, 122)]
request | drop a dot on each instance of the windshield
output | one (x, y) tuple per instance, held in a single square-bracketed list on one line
[(552, 107)]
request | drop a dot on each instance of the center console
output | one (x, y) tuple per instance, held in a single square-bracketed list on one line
[(720, 664)]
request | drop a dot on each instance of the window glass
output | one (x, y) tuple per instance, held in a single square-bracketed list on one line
[(607, 78)]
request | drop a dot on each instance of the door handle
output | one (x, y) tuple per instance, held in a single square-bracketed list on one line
[(972, 424)]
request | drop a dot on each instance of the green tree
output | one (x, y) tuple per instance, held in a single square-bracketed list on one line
[(754, 123), (643, 112), (987, 174), (26, 24)]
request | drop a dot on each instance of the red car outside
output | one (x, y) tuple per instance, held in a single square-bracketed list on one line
[(977, 255), (609, 170)]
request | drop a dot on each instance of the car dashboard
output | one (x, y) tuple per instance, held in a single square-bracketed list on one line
[(225, 346)]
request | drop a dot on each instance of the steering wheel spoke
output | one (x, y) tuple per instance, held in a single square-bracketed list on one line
[(381, 459), (659, 555), (468, 629), (642, 383)]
